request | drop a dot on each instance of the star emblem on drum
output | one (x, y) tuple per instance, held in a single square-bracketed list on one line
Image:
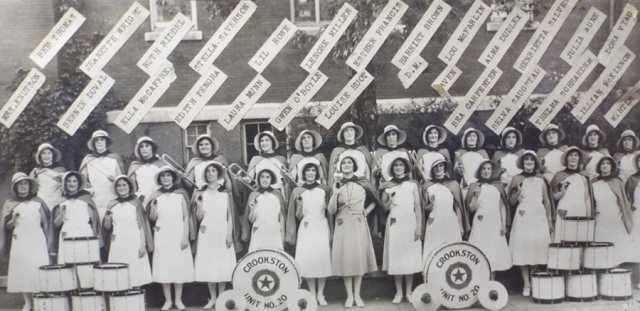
[(458, 275), (265, 282)]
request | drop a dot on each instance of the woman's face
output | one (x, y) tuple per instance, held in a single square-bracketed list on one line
[(264, 179), (511, 140), (146, 150), (399, 169), (439, 171), (22, 188), (100, 144), (307, 141), (346, 166), (310, 174), (432, 136), (593, 139), (211, 174), (573, 159), (391, 138), (472, 140), (486, 171), (605, 168), (122, 188), (46, 157), (72, 184), (205, 147), (552, 138), (349, 134), (529, 164), (266, 145), (166, 180), (628, 143)]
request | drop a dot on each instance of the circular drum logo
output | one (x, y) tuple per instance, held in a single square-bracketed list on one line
[(455, 271), (264, 280)]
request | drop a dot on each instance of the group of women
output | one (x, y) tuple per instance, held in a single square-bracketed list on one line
[(174, 227)]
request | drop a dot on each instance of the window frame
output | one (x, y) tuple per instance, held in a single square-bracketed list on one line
[(156, 27), (308, 27)]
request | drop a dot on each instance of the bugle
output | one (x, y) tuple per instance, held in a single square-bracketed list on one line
[(238, 173), (178, 168)]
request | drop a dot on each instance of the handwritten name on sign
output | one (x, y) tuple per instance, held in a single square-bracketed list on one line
[(464, 33), (583, 36), (446, 79), (567, 86), (198, 96), (344, 99), (376, 35), (329, 38), (412, 70), (223, 35), (61, 32), (155, 57), (270, 48), (21, 97), (301, 96), (422, 33), (478, 91), (145, 98), (603, 85), (541, 39), (623, 106), (115, 39), (516, 98), (88, 99), (241, 105), (620, 33), (502, 40)]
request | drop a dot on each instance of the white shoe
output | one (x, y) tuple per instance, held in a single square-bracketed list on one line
[(26, 307), (180, 305), (209, 304), (397, 299), (321, 300), (526, 291), (167, 306), (349, 302), (359, 302)]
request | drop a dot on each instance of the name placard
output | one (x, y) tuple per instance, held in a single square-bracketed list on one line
[(198, 96), (583, 36), (155, 57), (376, 35), (145, 98), (464, 33), (603, 85), (513, 101), (422, 33), (446, 79), (270, 48), (541, 39), (300, 97), (115, 39), (478, 91), (88, 99), (61, 32), (502, 40), (329, 38), (623, 106), (567, 86), (409, 73), (619, 34), (344, 99), (21, 97), (223, 35), (241, 105)]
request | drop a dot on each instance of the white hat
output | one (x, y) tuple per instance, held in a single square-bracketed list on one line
[(442, 134), (256, 140), (387, 166), (549, 128), (317, 139), (344, 126), (520, 160), (506, 131), (480, 143), (382, 138), (219, 166), (215, 148), (57, 156), (20, 176), (143, 139), (591, 128), (625, 134), (167, 168), (98, 134)]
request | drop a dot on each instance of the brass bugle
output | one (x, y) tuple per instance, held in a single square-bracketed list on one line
[(238, 173), (179, 170)]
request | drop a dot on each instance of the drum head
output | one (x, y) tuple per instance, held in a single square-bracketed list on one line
[(425, 298), (111, 266), (81, 238), (131, 292), (54, 267), (600, 244), (302, 300), (493, 295), (229, 301), (85, 293)]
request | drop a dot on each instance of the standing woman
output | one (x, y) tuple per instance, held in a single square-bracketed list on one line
[(205, 148), (173, 230), (391, 145), (402, 245), (216, 221), (127, 232), (26, 235), (506, 158), (99, 170), (593, 142), (144, 168), (308, 206), (433, 137), (532, 225), (628, 146), (48, 174), (488, 202), (614, 221), (571, 190), (306, 145), (469, 157), (348, 138), (266, 144), (266, 212), (352, 256), (633, 192), (550, 154)]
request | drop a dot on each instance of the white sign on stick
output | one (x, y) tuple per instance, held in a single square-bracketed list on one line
[(300, 97), (619, 34), (155, 57), (446, 79), (88, 99), (464, 33), (623, 106), (344, 99), (241, 105), (61, 32), (21, 97), (270, 48), (412, 70), (198, 96), (503, 39), (583, 36)]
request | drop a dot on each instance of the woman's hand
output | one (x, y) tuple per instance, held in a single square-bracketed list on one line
[(229, 241), (142, 251), (418, 234)]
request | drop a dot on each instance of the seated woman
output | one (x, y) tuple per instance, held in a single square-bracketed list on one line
[(48, 174), (434, 149), (505, 159), (266, 144), (628, 146), (348, 136), (145, 167), (469, 157), (551, 151), (392, 144), (306, 145), (594, 144)]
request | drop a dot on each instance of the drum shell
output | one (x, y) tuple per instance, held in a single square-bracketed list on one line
[(88, 301), (564, 257), (51, 302), (547, 288), (577, 229), (81, 250), (56, 278), (111, 277), (132, 300), (598, 256), (84, 275), (582, 286), (615, 285)]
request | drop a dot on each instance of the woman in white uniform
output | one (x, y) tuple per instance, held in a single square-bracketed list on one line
[(391, 144), (633, 192), (469, 157), (266, 144), (266, 212), (306, 148), (628, 146), (551, 151), (594, 144), (348, 137), (506, 158), (48, 174), (434, 149), (145, 167), (205, 148)]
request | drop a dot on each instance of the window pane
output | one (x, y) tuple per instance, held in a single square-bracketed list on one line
[(305, 10), (167, 9)]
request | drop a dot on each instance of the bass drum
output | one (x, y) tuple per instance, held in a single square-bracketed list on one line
[(51, 302), (88, 301), (582, 286), (547, 287), (131, 300), (564, 257), (615, 284)]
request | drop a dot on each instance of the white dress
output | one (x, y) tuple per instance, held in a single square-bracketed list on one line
[(428, 159), (609, 225), (508, 162), (573, 202), (530, 238), (442, 225), (553, 163), (28, 249), (214, 260), (594, 157), (49, 188), (471, 160), (101, 185), (126, 243), (402, 253), (313, 252), (267, 228), (485, 232), (626, 166), (146, 180), (635, 234), (170, 263), (76, 223)]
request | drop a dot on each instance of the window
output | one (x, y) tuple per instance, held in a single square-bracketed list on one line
[(194, 130), (500, 9), (163, 11), (310, 15), (249, 131)]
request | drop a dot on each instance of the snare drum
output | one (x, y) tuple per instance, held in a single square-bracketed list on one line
[(582, 286), (111, 277), (81, 249), (598, 255), (56, 278), (547, 287), (84, 274), (615, 284), (51, 302), (564, 257), (577, 229), (88, 301), (132, 300)]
